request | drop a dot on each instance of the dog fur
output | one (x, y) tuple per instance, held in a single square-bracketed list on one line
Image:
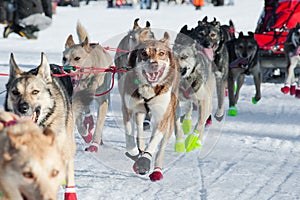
[(210, 35), (151, 85), (243, 61), (31, 164), (38, 95), (87, 54), (292, 52), (197, 84)]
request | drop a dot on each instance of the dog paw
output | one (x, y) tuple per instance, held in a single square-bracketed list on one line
[(254, 101), (134, 158), (285, 89), (179, 146), (232, 111), (88, 138), (142, 165), (192, 142), (219, 118), (297, 93), (156, 175), (146, 125), (208, 122), (88, 123), (92, 148), (70, 193), (293, 90)]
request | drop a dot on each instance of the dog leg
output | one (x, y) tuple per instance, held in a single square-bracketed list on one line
[(257, 82), (140, 131), (187, 121), (179, 144), (70, 192), (221, 96), (291, 75), (231, 85), (240, 82)]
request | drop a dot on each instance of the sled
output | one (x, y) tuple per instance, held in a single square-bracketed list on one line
[(277, 18)]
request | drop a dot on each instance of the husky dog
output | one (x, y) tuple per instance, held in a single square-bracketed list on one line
[(88, 55), (292, 52), (211, 36), (197, 85), (128, 43), (38, 95), (31, 164), (243, 61), (151, 85)]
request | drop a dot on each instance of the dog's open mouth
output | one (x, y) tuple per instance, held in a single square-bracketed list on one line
[(153, 77), (35, 116)]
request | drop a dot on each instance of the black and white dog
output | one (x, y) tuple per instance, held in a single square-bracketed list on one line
[(292, 51)]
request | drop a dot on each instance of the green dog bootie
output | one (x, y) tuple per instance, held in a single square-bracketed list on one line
[(1, 195), (232, 111), (187, 124), (192, 141), (253, 100), (179, 146)]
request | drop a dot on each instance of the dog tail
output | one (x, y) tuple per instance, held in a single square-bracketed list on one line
[(81, 32)]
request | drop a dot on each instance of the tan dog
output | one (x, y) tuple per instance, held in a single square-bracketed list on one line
[(151, 85), (85, 55), (31, 165), (43, 98)]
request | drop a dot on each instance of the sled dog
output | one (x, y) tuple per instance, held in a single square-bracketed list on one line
[(197, 86), (31, 164), (243, 61), (151, 85), (211, 36), (292, 52), (41, 97), (88, 55)]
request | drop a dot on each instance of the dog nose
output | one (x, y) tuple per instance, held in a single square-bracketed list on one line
[(23, 107), (154, 66)]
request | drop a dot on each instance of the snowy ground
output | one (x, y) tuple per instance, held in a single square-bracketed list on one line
[(254, 155)]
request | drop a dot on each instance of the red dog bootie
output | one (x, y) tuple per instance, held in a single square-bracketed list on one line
[(297, 93), (70, 193), (156, 174), (293, 90), (88, 123), (285, 89), (92, 148)]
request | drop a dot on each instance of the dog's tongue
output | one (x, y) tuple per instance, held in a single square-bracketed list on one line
[(152, 76), (209, 52), (239, 62)]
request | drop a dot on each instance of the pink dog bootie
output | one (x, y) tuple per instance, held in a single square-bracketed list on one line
[(70, 193), (156, 175), (297, 93), (293, 90), (285, 89)]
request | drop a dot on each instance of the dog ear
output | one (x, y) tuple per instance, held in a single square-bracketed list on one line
[(241, 34), (204, 19), (166, 38), (144, 35), (184, 29), (70, 42), (86, 45), (136, 25), (148, 24), (14, 71), (50, 135), (250, 33), (44, 69)]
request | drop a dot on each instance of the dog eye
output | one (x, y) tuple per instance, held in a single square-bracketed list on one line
[(240, 46), (250, 47), (54, 173), (15, 92), (144, 54), (34, 92), (64, 59), (184, 57), (213, 35), (161, 53), (77, 58), (28, 175)]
